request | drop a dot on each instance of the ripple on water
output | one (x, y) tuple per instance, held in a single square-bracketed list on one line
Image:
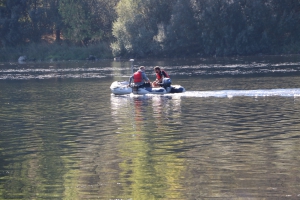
[(72, 139), (118, 69)]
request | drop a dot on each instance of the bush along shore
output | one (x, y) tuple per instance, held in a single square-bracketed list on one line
[(55, 52), (65, 52)]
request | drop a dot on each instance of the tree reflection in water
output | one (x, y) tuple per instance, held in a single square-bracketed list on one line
[(150, 166)]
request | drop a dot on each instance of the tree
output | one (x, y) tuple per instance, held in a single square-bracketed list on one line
[(181, 37), (12, 21), (56, 19), (87, 20), (76, 18), (27, 20), (256, 17), (103, 16), (286, 16), (137, 25), (43, 15)]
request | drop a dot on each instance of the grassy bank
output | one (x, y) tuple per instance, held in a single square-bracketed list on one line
[(59, 52)]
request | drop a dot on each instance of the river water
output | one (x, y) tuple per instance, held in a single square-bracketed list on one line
[(233, 135)]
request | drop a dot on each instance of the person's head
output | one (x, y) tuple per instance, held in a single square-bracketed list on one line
[(156, 69), (142, 68)]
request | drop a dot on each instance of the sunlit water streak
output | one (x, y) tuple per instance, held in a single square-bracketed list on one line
[(122, 69)]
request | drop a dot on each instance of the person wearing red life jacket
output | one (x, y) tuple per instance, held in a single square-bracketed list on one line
[(139, 78), (160, 75)]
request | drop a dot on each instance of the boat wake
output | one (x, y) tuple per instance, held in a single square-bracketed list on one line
[(289, 92)]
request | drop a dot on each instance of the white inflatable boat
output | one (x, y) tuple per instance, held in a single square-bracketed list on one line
[(121, 87)]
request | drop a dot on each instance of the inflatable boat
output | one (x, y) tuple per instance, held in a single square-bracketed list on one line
[(123, 87)]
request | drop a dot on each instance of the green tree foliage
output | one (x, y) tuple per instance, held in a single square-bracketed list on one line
[(158, 27), (77, 20), (181, 33), (26, 20), (23, 21), (11, 26), (207, 27), (87, 20), (137, 24), (42, 16), (286, 22), (55, 19)]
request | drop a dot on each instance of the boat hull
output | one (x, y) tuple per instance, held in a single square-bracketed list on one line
[(121, 88), (176, 89)]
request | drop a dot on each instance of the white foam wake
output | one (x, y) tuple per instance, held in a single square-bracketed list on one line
[(289, 92)]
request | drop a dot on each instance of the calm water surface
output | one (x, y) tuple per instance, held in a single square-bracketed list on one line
[(64, 136)]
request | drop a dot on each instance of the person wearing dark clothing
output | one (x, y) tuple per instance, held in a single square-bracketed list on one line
[(160, 74)]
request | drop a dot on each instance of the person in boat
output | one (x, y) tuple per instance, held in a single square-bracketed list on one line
[(140, 79), (160, 75)]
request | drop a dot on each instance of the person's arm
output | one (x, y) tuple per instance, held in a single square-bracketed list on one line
[(145, 78), (164, 74), (130, 80)]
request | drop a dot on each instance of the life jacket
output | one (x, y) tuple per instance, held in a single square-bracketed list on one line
[(137, 77), (160, 75)]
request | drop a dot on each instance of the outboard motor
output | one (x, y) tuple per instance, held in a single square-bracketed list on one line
[(166, 82)]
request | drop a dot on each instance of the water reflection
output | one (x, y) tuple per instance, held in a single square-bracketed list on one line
[(70, 139), (151, 167), (226, 148)]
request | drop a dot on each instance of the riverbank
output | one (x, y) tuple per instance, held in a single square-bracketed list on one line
[(55, 52), (64, 52)]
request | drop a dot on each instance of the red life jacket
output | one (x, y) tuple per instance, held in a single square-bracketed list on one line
[(160, 75), (137, 77)]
